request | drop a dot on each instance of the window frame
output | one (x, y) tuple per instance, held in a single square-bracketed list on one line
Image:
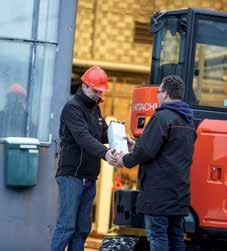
[(35, 42)]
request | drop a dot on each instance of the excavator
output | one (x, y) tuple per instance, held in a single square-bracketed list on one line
[(191, 43)]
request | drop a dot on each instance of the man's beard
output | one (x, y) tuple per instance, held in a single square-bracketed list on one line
[(96, 98)]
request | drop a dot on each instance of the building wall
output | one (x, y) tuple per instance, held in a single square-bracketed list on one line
[(105, 31), (167, 4), (105, 28)]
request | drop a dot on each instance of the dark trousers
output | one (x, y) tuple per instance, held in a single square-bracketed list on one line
[(74, 221), (165, 233)]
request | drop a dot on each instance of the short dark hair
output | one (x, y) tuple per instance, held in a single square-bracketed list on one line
[(174, 85)]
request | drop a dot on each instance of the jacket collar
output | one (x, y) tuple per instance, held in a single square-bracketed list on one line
[(89, 103), (179, 107)]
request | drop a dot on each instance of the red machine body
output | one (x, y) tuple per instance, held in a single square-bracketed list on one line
[(209, 168), (144, 103), (209, 174)]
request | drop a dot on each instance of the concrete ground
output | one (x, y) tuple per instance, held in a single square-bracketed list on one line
[(93, 243)]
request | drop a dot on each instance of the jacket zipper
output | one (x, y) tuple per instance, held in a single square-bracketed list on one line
[(81, 157), (61, 155)]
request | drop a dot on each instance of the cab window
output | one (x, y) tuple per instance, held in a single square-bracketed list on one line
[(210, 67)]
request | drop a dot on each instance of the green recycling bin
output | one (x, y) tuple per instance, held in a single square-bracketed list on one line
[(21, 161)]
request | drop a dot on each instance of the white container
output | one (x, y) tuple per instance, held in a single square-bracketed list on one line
[(117, 137)]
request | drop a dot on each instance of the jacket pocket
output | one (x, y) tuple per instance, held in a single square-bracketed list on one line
[(70, 156)]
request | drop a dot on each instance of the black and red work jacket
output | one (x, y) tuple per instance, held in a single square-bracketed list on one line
[(82, 133), (164, 152)]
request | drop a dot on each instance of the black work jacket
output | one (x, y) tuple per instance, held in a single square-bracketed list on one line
[(82, 133), (164, 152)]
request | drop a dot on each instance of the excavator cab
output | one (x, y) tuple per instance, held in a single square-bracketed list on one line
[(191, 43)]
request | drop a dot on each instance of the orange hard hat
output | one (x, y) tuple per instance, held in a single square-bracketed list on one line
[(96, 78), (17, 89)]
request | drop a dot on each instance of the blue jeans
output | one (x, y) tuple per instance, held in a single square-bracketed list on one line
[(165, 233), (74, 220)]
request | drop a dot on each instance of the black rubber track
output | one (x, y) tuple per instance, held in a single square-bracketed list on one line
[(135, 243)]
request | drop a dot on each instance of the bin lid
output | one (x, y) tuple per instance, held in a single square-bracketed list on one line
[(21, 140)]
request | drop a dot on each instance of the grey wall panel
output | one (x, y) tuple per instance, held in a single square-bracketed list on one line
[(27, 217), (62, 82)]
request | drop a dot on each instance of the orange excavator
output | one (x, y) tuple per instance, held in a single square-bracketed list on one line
[(191, 43)]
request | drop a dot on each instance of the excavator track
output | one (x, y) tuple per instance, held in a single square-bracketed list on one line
[(135, 243)]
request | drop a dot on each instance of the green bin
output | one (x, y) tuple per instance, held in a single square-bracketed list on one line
[(21, 161)]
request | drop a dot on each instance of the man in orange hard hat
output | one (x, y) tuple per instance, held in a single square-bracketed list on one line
[(14, 115), (83, 132), (17, 88)]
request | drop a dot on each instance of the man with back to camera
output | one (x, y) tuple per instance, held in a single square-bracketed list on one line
[(83, 132), (164, 152)]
